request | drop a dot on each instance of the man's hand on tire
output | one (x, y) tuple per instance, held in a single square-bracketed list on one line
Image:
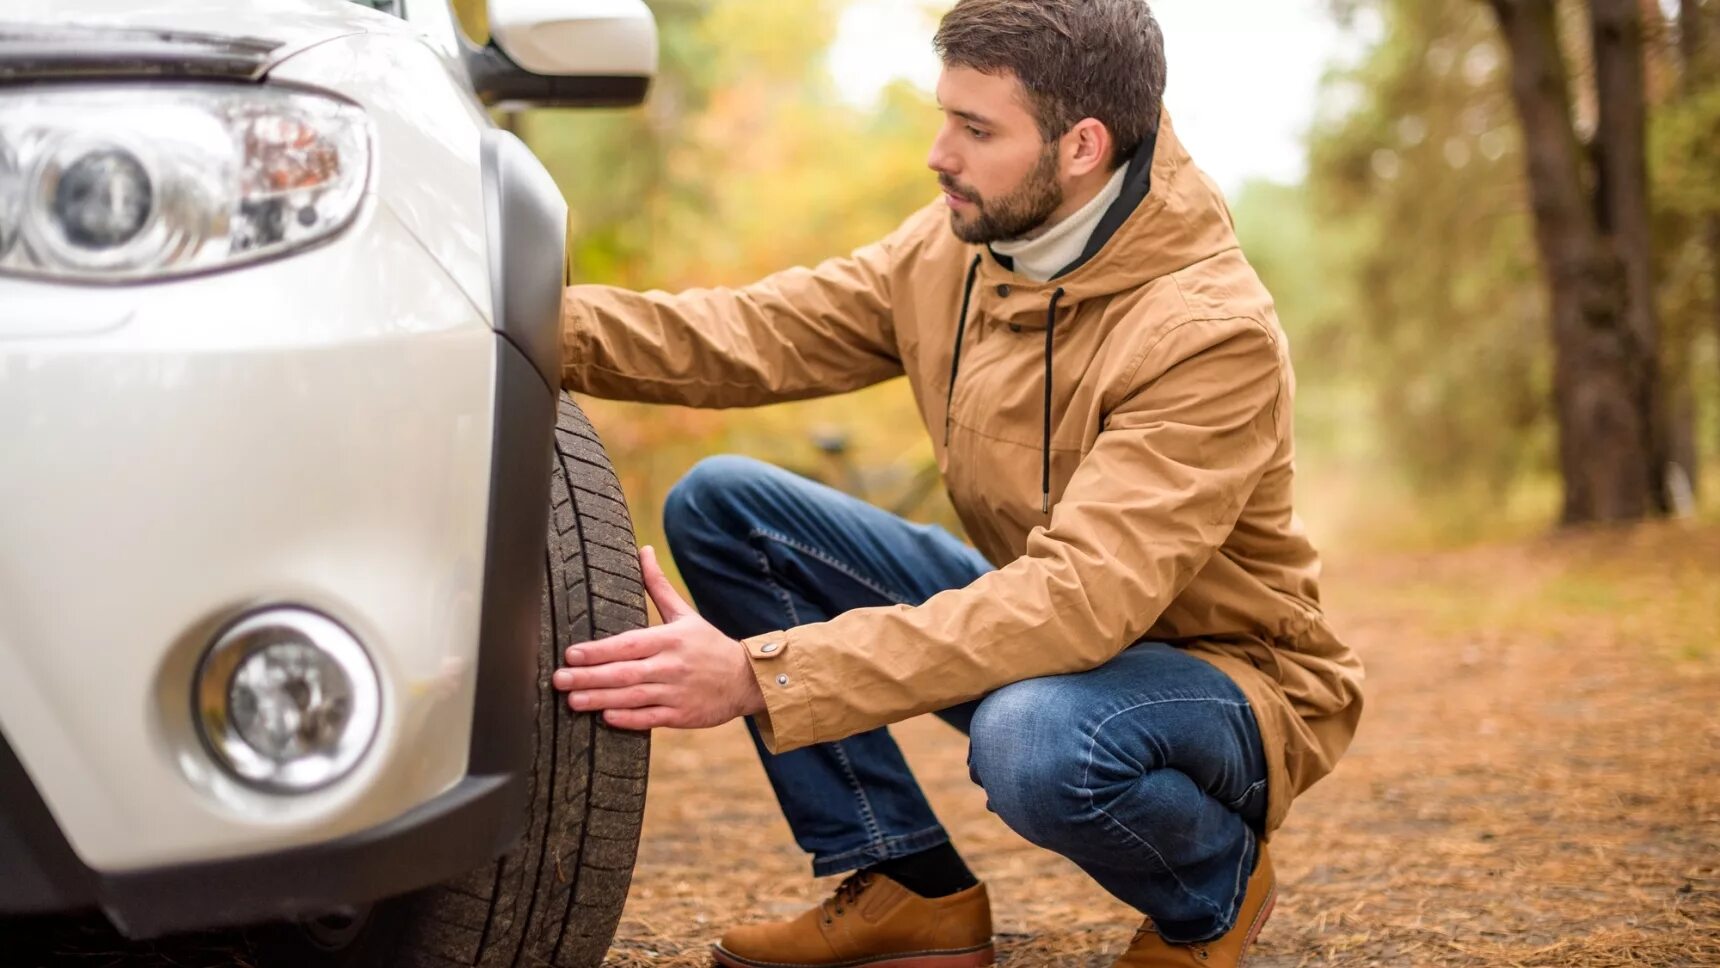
[(684, 673)]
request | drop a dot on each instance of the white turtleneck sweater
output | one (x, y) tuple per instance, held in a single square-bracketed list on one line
[(1040, 257)]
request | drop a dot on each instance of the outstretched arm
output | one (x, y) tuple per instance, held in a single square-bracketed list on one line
[(795, 334)]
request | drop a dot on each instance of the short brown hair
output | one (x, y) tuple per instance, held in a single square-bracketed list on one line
[(1101, 59)]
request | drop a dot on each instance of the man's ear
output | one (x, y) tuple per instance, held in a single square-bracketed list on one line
[(1088, 144)]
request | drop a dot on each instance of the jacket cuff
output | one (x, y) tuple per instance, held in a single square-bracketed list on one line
[(787, 722)]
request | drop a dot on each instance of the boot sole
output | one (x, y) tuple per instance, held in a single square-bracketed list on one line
[(976, 957), (1259, 922)]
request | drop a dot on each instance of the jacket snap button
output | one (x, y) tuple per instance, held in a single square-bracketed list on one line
[(782, 680), (1003, 289), (767, 647)]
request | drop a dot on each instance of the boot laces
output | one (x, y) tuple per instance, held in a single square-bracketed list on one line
[(1200, 949), (847, 893)]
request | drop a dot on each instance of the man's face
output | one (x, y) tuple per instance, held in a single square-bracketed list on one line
[(1001, 179)]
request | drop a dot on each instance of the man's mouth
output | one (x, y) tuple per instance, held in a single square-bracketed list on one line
[(954, 197)]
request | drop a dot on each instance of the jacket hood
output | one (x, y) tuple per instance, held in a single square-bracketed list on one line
[(1169, 216)]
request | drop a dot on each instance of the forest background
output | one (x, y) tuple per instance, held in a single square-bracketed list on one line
[(1404, 263), (1537, 778)]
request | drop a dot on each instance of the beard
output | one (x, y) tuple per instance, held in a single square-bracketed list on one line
[(1019, 213)]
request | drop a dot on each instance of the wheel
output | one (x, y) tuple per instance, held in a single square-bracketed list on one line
[(556, 897)]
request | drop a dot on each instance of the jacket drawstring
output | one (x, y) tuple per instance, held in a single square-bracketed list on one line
[(956, 354), (955, 367), (1045, 453)]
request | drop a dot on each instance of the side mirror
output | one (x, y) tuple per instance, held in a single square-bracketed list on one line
[(566, 53)]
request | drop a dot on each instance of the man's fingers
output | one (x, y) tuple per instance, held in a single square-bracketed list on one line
[(623, 646), (669, 602), (648, 717), (610, 675), (630, 697)]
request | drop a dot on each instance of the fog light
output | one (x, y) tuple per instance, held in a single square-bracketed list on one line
[(287, 700)]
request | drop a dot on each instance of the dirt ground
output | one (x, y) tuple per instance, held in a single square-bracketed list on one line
[(1536, 782)]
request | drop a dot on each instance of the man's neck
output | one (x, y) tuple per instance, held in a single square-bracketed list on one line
[(1079, 194), (1045, 253)]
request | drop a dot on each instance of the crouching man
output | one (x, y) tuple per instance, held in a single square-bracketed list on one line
[(1133, 644)]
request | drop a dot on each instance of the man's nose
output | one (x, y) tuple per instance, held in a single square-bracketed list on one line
[(940, 159)]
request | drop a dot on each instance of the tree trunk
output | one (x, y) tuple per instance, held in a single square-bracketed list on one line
[(1604, 367), (1622, 194), (1690, 40)]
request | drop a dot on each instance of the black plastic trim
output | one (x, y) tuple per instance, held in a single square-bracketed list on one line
[(526, 221), (508, 638), (500, 82), (30, 53), (465, 828), (41, 872)]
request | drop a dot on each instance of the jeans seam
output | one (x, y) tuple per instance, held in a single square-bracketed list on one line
[(793, 617), (776, 586), (1240, 881), (1253, 788), (866, 815), (1093, 801), (825, 557)]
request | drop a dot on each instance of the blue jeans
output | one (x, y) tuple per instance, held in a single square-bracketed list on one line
[(1146, 772)]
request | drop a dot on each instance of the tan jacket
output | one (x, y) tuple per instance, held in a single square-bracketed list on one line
[(1169, 446)]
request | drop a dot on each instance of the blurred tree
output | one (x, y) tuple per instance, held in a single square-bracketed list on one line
[(743, 161), (1422, 245), (1429, 222), (1687, 145), (1593, 232)]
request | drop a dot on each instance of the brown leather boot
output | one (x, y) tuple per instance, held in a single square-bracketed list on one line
[(1148, 950), (872, 921)]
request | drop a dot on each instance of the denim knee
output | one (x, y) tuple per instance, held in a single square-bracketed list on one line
[(1025, 751), (1036, 750), (701, 501)]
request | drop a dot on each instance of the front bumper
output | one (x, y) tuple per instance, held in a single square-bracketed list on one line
[(331, 429), (456, 832)]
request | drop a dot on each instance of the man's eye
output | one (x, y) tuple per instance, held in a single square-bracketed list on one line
[(977, 133)]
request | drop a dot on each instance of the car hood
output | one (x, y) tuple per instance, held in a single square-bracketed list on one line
[(69, 37)]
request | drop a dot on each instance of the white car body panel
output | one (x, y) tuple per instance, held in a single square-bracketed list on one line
[(313, 429), (296, 24)]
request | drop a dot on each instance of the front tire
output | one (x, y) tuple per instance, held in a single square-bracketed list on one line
[(556, 897)]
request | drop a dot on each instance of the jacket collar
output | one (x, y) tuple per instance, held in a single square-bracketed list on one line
[(1168, 217)]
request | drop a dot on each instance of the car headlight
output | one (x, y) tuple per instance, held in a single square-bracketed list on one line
[(120, 183), (287, 700)]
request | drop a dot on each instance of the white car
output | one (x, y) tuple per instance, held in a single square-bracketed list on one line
[(294, 519)]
